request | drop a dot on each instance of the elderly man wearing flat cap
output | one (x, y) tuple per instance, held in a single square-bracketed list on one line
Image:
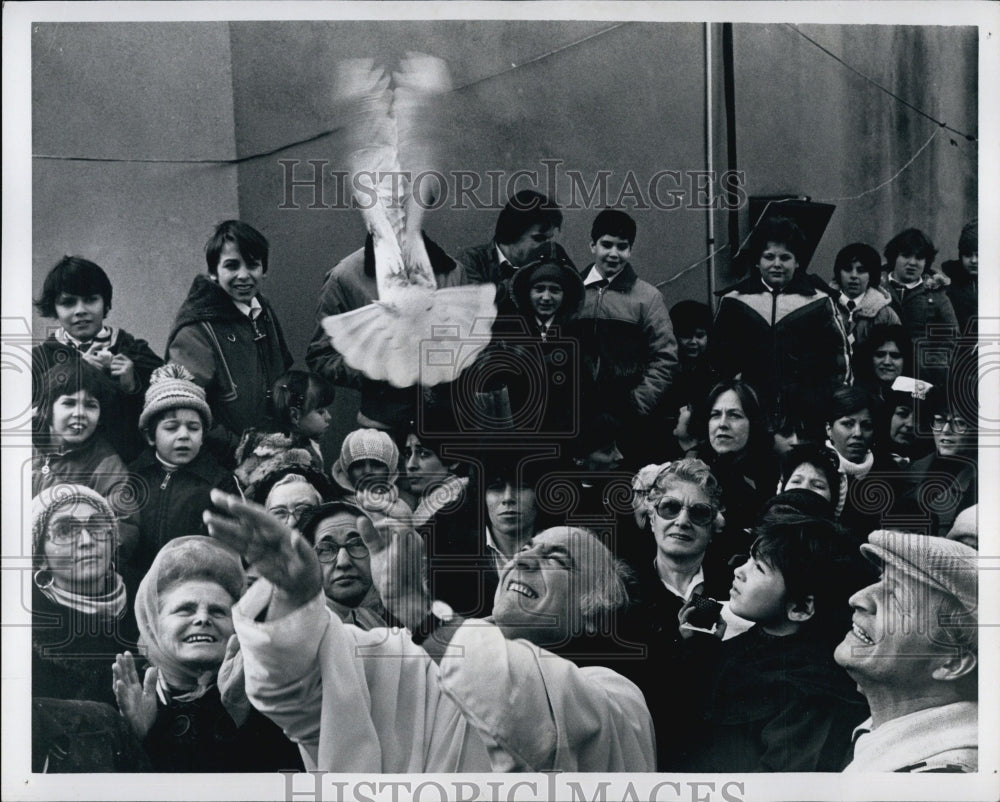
[(913, 650)]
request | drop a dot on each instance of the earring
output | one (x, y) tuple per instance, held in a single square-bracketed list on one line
[(43, 579)]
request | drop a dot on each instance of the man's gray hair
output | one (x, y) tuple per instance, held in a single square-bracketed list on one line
[(608, 589)]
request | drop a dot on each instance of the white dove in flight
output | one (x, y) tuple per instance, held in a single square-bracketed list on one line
[(414, 333)]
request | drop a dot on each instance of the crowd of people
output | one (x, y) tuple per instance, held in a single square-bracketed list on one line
[(635, 534)]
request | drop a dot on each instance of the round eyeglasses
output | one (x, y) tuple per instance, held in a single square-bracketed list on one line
[(293, 514), (327, 550), (699, 514), (62, 533), (958, 425)]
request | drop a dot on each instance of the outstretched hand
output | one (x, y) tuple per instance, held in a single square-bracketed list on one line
[(399, 568), (136, 701), (275, 551)]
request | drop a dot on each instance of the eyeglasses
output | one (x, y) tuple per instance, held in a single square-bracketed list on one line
[(699, 514), (62, 533), (327, 550), (958, 425), (286, 514)]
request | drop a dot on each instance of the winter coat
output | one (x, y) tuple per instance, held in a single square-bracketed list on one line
[(538, 368), (170, 505), (963, 292), (94, 464), (771, 704), (789, 344), (236, 361), (72, 737), (201, 736), (122, 408), (923, 306), (873, 308), (482, 266), (263, 457), (351, 285), (940, 488), (72, 652), (628, 343)]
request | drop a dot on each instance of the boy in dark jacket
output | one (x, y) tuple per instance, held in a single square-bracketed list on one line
[(774, 699), (227, 335), (171, 480), (626, 337), (77, 293)]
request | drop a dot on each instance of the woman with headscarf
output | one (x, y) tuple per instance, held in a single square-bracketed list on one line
[(186, 724), (81, 617)]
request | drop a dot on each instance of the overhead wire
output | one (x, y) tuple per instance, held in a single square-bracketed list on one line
[(873, 82)]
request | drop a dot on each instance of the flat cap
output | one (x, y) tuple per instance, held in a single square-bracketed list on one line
[(944, 565)]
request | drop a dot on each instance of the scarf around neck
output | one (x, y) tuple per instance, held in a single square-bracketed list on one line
[(850, 470), (109, 605), (102, 340)]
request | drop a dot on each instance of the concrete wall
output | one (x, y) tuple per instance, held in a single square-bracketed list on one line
[(195, 119), (808, 125), (128, 110)]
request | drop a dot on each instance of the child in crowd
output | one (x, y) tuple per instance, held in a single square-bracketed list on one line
[(172, 479), (366, 470), (301, 403), (228, 336), (774, 699), (692, 322), (626, 337), (964, 275), (70, 444), (77, 293)]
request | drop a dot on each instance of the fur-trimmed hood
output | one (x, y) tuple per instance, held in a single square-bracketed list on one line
[(869, 303)]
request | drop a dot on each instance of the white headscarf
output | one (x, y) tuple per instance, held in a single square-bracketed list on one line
[(183, 559)]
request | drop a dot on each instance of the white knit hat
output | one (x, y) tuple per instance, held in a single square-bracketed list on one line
[(365, 444), (172, 386)]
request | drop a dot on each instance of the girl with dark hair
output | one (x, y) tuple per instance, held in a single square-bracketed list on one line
[(812, 467), (772, 699), (883, 358), (77, 293), (69, 431), (301, 402)]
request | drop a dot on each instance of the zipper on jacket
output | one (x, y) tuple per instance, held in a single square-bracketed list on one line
[(163, 507)]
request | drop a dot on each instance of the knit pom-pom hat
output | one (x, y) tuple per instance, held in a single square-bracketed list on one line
[(172, 386)]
